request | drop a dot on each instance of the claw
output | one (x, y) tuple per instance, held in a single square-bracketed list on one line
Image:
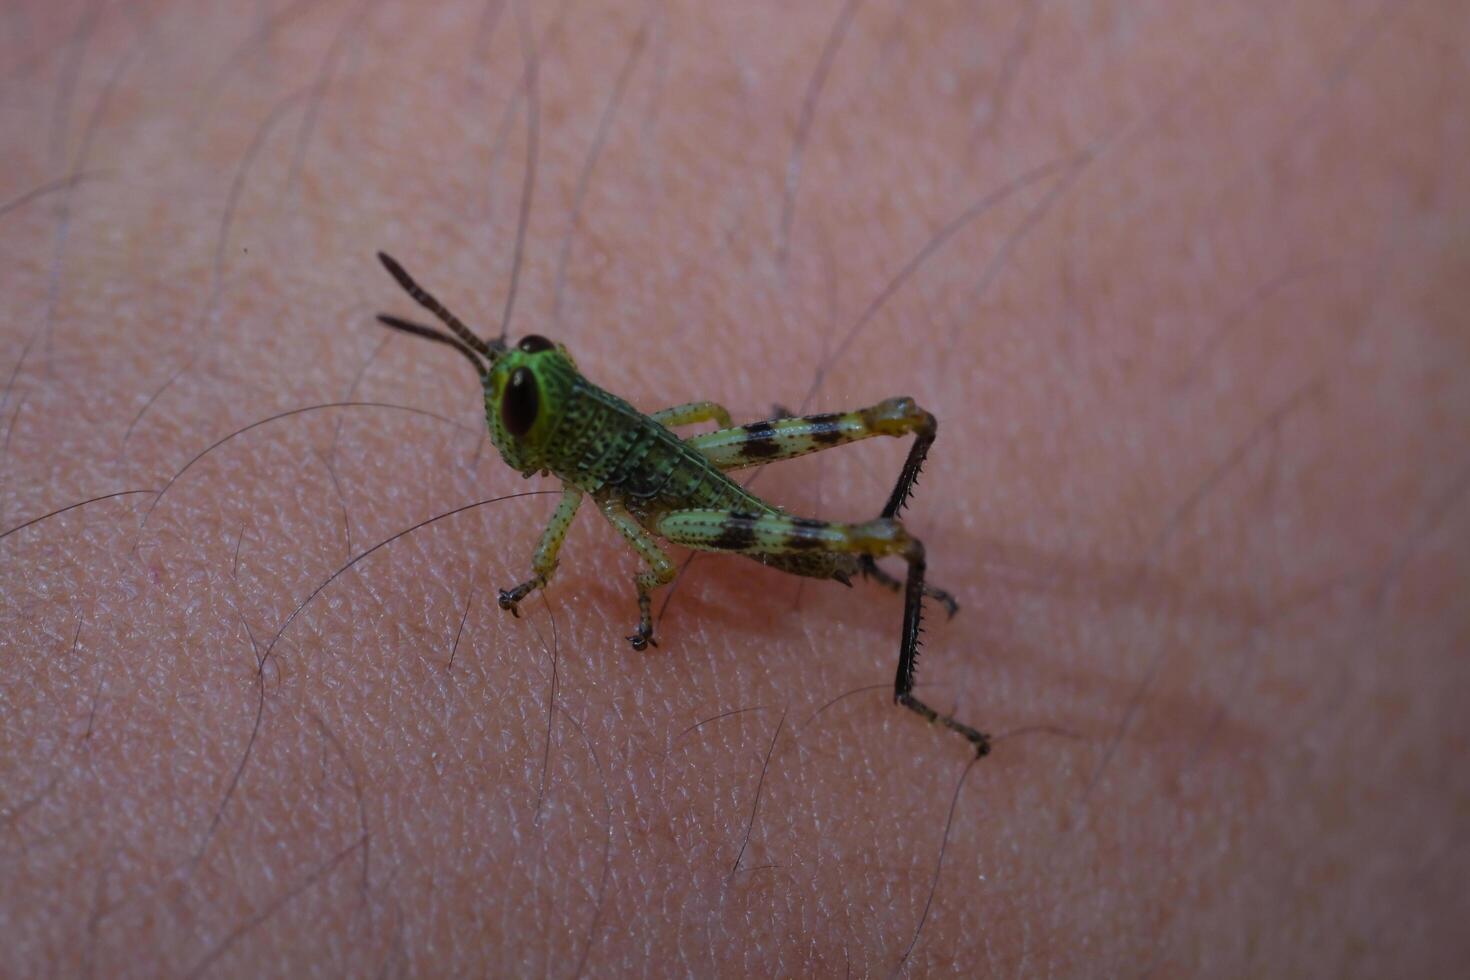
[(946, 600)]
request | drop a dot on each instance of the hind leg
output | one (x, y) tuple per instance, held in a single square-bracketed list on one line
[(869, 568), (784, 535), (740, 446)]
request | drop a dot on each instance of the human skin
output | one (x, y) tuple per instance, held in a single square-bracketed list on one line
[(1199, 487)]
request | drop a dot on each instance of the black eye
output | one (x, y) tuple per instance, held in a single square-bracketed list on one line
[(520, 403), (533, 343)]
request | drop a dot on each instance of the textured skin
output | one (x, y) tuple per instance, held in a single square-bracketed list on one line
[(1253, 631)]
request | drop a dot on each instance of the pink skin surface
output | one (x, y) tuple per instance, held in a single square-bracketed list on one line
[(1201, 486)]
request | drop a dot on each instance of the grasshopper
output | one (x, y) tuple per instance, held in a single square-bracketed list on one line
[(546, 416)]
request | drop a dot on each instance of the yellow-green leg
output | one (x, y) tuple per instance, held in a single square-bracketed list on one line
[(692, 413), (782, 535), (543, 562), (660, 571), (735, 447)]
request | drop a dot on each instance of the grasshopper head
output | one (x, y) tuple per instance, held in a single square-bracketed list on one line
[(527, 389)]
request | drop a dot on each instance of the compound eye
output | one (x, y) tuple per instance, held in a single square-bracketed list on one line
[(534, 343), (520, 403)]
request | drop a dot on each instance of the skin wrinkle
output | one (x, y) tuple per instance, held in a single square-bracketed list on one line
[(256, 44), (553, 652), (459, 631), (1283, 800), (531, 53), (50, 187), (594, 152), (804, 121), (351, 393), (290, 413), (316, 95), (1204, 489), (116, 494), (60, 117), (362, 819), (1015, 56), (607, 845), (756, 799), (1270, 426), (341, 502), (206, 320), (929, 899), (58, 150), (532, 88), (239, 770)]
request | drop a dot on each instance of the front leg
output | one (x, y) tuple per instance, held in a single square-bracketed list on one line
[(543, 562), (660, 570)]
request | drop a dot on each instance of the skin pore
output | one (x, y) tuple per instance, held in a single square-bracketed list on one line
[(1183, 283)]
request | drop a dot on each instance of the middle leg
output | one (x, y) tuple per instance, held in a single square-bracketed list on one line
[(661, 570)]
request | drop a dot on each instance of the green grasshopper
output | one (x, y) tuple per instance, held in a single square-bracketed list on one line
[(544, 415)]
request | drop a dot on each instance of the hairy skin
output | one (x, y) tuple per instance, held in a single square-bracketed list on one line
[(1200, 487)]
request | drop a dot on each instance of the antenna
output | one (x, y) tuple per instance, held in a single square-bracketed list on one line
[(428, 302), (419, 330)]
